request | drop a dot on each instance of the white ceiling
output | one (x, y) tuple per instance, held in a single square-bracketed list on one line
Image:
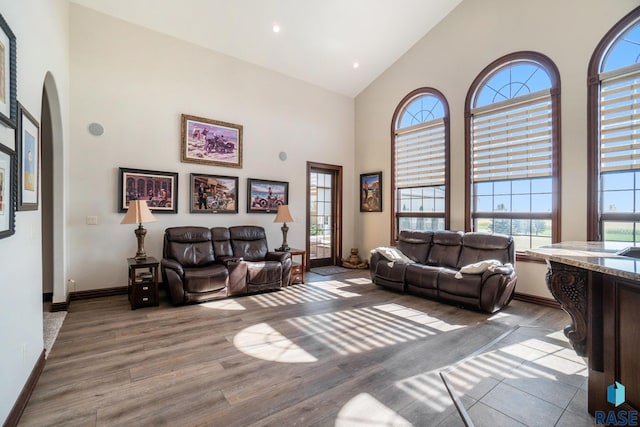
[(319, 41)]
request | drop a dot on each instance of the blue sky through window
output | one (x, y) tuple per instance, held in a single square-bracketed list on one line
[(512, 81), (422, 109), (624, 51)]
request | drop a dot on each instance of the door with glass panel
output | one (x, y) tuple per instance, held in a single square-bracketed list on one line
[(324, 214)]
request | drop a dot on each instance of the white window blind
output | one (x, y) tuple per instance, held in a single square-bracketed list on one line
[(420, 155), (513, 140), (620, 123)]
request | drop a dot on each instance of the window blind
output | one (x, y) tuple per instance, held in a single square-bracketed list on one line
[(620, 123), (420, 155), (513, 140)]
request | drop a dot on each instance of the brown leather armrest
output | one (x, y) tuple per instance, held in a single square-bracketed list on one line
[(278, 256), (173, 265)]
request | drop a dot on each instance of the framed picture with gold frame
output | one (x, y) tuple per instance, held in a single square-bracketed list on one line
[(211, 142)]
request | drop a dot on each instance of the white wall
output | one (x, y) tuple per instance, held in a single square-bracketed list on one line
[(450, 57), (41, 29), (137, 83)]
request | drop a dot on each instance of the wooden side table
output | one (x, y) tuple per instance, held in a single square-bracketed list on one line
[(143, 282), (297, 268)]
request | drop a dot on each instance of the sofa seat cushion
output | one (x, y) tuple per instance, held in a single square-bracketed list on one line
[(264, 272), (469, 285), (423, 276), (205, 279)]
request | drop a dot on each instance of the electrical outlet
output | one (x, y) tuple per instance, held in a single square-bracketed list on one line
[(71, 285), (92, 220), (24, 352)]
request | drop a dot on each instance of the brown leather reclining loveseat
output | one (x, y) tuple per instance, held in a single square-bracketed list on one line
[(434, 258), (201, 264)]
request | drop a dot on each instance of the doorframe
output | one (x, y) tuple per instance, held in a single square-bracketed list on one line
[(337, 228)]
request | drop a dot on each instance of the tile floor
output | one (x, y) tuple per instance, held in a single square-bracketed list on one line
[(530, 377)]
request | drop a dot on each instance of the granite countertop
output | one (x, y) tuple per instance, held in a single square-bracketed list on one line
[(602, 257)]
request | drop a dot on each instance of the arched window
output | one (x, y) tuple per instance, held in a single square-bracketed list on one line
[(512, 136), (420, 162), (614, 135)]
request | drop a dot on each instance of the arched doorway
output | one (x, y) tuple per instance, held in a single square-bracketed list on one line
[(52, 177)]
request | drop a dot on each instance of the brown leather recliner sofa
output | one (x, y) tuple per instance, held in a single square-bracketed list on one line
[(436, 257), (200, 263)]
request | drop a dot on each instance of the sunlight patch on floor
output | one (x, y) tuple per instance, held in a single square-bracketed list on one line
[(263, 342), (361, 329), (359, 281), (426, 388), (335, 287), (365, 410), (418, 317), (223, 304)]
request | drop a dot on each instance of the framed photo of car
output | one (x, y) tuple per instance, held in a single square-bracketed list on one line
[(265, 196), (158, 189), (213, 194), (371, 192), (211, 142)]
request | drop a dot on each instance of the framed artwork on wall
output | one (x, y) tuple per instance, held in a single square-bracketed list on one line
[(371, 192), (8, 190), (158, 189), (265, 196), (211, 142), (28, 147), (8, 92), (213, 194)]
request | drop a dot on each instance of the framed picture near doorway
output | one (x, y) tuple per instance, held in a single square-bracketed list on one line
[(7, 191), (28, 147), (371, 192), (159, 189), (265, 196)]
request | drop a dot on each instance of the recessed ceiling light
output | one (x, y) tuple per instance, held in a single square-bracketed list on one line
[(276, 28), (356, 64)]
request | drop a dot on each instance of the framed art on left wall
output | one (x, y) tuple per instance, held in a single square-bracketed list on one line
[(28, 147), (7, 191), (8, 90)]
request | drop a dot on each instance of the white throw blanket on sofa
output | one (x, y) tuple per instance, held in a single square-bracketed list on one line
[(392, 254), (480, 267)]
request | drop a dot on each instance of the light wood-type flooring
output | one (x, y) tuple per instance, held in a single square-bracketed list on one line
[(334, 351)]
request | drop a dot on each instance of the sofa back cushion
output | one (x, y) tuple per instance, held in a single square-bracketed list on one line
[(190, 246), (477, 246), (249, 242), (415, 244), (445, 249), (221, 242)]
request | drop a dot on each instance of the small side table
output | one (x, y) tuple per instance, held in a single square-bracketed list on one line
[(297, 268), (143, 282)]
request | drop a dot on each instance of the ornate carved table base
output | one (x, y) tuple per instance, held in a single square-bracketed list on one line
[(568, 285)]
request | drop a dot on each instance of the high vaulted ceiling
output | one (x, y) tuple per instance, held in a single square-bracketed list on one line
[(318, 43)]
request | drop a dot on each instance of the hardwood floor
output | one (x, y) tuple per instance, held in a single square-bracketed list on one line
[(334, 351)]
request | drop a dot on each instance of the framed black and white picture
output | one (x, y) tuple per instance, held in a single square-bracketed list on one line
[(8, 92)]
